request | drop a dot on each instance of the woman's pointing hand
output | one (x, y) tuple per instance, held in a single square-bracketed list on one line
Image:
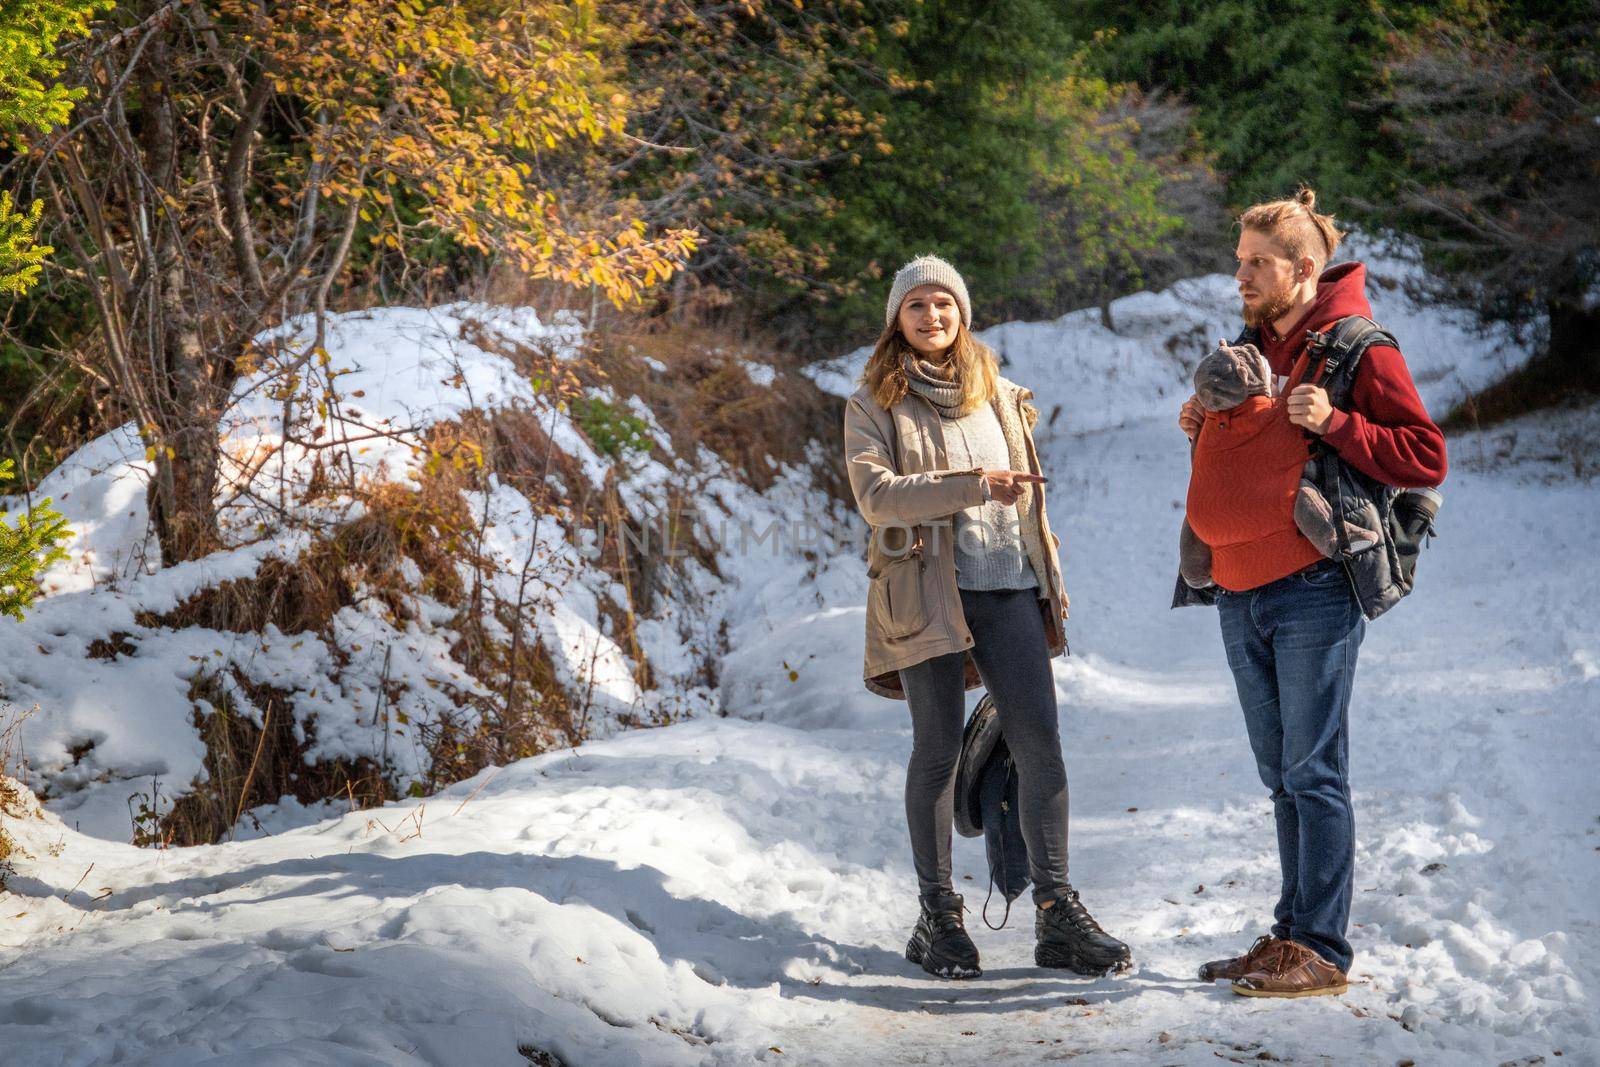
[(1007, 486)]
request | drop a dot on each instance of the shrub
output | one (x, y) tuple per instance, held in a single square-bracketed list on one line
[(26, 549)]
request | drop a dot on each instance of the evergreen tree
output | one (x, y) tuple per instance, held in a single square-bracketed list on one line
[(1281, 90), (31, 98), (1498, 117), (999, 151), (26, 549)]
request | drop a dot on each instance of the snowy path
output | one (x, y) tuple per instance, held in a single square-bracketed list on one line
[(722, 890)]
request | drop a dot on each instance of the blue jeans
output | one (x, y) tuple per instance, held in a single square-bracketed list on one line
[(1292, 647)]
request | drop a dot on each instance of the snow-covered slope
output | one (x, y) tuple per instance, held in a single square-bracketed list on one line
[(119, 685), (737, 890)]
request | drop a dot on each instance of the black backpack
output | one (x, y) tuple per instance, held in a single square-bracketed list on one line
[(1381, 574)]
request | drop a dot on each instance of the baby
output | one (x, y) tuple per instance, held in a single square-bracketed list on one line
[(1225, 379)]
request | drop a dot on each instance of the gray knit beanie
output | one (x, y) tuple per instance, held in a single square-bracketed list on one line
[(927, 270)]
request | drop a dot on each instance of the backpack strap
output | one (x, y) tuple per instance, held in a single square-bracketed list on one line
[(1011, 770), (1340, 349)]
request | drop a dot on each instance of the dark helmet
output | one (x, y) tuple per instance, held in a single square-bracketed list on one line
[(981, 743)]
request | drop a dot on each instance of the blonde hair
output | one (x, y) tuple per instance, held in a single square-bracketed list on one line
[(974, 364), (1295, 225)]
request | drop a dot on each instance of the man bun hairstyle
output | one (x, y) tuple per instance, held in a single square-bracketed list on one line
[(1295, 225)]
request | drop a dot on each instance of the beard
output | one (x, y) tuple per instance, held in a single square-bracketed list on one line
[(1273, 308)]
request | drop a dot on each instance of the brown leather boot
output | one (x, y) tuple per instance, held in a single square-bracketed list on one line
[(1237, 966), (1292, 971)]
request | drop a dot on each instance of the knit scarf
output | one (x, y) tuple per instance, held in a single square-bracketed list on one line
[(929, 381)]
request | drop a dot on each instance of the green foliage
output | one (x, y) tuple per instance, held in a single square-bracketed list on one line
[(956, 181), (1469, 125), (611, 429), (26, 549), (50, 405), (29, 100), (741, 106), (1099, 203), (1002, 153), (1279, 88), (20, 258), (29, 32)]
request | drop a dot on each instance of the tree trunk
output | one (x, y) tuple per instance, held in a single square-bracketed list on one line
[(1569, 366), (188, 402), (1575, 343), (183, 493)]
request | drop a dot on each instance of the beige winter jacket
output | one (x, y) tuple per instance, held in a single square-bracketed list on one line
[(897, 468)]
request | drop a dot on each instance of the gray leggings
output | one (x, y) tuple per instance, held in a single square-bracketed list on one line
[(1013, 660)]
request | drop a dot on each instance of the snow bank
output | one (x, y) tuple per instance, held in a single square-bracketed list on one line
[(118, 692)]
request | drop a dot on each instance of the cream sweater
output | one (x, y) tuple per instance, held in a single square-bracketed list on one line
[(988, 543)]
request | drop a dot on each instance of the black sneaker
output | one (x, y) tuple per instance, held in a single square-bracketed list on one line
[(940, 942), (1067, 936)]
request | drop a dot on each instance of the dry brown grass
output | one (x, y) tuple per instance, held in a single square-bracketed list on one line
[(530, 713), (253, 761), (1544, 382), (13, 800), (9, 798), (703, 397), (250, 764), (706, 397), (428, 526)]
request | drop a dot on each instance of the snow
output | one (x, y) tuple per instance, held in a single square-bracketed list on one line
[(100, 491), (762, 374), (388, 375), (730, 890), (118, 715)]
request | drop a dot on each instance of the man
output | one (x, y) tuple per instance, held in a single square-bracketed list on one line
[(1290, 619)]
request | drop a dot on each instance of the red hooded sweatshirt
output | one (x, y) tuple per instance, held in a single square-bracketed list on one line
[(1247, 461), (1387, 434)]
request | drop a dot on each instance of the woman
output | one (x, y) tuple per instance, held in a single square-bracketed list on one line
[(964, 589)]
